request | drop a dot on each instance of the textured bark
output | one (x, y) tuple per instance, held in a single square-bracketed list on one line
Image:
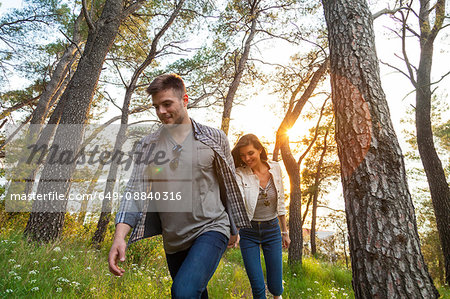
[(384, 243), (46, 225), (105, 214), (439, 189), (228, 104)]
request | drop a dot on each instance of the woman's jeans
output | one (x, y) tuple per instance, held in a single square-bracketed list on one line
[(266, 234), (192, 269)]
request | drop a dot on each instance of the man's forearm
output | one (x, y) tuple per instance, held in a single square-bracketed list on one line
[(122, 230)]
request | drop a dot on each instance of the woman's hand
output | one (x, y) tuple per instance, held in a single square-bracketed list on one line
[(285, 240), (234, 241)]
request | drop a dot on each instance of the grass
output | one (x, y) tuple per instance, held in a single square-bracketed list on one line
[(71, 269)]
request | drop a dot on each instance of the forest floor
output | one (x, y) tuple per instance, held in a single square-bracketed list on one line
[(70, 268)]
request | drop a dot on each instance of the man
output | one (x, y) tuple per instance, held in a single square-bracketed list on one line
[(194, 240)]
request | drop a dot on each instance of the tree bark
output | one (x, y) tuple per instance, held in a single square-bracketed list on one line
[(439, 189), (384, 244), (47, 219)]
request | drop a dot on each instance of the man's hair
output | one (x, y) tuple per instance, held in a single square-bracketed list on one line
[(244, 141), (165, 82)]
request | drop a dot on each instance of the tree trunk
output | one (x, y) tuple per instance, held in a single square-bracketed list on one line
[(293, 166), (384, 243), (439, 189), (89, 190), (316, 193), (312, 235), (105, 214), (228, 104), (305, 212), (57, 78), (47, 219)]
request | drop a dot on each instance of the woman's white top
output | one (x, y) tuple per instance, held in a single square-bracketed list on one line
[(249, 185)]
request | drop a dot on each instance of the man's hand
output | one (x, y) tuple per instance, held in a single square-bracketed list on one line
[(117, 253), (233, 242)]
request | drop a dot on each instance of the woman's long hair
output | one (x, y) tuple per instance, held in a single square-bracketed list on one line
[(244, 141)]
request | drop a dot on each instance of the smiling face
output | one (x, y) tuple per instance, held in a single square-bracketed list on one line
[(170, 108), (250, 155)]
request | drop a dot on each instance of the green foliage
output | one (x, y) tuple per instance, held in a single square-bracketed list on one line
[(28, 38), (316, 279), (69, 268)]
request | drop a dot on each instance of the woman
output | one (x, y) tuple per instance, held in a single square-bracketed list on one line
[(262, 187)]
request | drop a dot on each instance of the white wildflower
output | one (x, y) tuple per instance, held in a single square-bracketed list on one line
[(88, 268), (12, 273), (309, 289), (33, 281), (12, 260), (75, 283), (62, 279), (58, 290), (316, 282), (35, 289), (8, 291), (65, 258), (57, 249), (36, 262), (33, 272), (54, 268), (18, 278), (17, 266)]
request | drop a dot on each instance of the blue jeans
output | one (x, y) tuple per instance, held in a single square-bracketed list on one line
[(191, 269), (266, 234)]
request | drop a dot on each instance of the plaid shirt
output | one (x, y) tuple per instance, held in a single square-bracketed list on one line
[(148, 224)]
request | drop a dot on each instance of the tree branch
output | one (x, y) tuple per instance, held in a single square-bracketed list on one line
[(386, 11), (89, 22), (132, 8)]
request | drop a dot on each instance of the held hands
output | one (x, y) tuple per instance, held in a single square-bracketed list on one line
[(117, 253), (234, 241), (285, 240)]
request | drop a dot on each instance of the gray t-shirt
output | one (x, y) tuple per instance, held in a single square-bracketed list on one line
[(195, 159), (266, 205)]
